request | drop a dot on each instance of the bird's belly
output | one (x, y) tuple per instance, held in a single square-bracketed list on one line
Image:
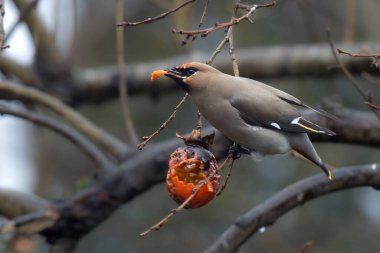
[(228, 121)]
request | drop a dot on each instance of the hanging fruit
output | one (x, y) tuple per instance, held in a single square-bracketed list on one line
[(189, 166)]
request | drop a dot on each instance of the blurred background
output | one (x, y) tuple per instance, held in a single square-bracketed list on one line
[(33, 159)]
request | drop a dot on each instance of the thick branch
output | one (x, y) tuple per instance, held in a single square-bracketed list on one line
[(98, 136), (11, 68), (101, 160), (142, 170), (289, 198), (353, 127), (14, 203), (299, 60)]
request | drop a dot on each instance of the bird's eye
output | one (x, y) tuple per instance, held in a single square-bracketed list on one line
[(191, 71)]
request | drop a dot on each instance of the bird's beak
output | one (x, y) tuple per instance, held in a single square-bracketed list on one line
[(173, 73)]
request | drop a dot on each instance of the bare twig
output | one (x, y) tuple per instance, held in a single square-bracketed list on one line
[(101, 160), (374, 63), (180, 208), (232, 53), (2, 33), (348, 74), (372, 105), (47, 54), (171, 117), (349, 28), (123, 90), (217, 50), (291, 197), (371, 79), (109, 143), (375, 55), (204, 32), (204, 13), (158, 225), (230, 166), (161, 16), (23, 14), (306, 247)]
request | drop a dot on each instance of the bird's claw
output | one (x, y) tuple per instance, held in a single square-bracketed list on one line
[(236, 151)]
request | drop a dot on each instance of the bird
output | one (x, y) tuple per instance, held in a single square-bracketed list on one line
[(254, 115)]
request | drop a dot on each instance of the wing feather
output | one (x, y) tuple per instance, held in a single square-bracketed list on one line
[(261, 107)]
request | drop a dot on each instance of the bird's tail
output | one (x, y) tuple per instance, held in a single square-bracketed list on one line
[(303, 145)]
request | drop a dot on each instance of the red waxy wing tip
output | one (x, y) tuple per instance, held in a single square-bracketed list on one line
[(156, 74)]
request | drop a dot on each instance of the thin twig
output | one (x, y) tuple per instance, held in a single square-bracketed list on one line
[(347, 73), (375, 55), (150, 20), (372, 105), (204, 14), (204, 32), (306, 247), (101, 160), (231, 164), (194, 192), (349, 28), (180, 208), (171, 117), (371, 79), (2, 32), (374, 63), (232, 51), (74, 29), (23, 14), (217, 50), (199, 122), (123, 90)]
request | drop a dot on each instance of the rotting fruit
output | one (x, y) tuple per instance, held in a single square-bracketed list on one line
[(188, 166)]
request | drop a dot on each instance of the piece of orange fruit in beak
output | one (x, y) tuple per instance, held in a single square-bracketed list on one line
[(156, 74)]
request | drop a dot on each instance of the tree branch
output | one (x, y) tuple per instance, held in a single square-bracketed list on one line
[(143, 170), (23, 14), (291, 197), (25, 74), (2, 33), (102, 161), (123, 87), (95, 85), (150, 20), (48, 54), (234, 21), (353, 127), (98, 136), (14, 203)]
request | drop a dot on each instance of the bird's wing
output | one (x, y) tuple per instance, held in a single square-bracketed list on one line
[(260, 107), (289, 98)]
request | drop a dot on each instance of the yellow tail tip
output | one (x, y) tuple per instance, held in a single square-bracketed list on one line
[(329, 176)]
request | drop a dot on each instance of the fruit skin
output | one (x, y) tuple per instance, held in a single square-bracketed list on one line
[(188, 166)]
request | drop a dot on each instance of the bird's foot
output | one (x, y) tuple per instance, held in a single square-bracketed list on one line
[(236, 151)]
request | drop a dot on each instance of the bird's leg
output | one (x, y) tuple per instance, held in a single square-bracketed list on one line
[(236, 151)]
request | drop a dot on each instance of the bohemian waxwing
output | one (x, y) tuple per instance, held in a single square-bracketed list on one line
[(254, 115)]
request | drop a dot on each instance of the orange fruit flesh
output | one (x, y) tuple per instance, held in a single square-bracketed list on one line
[(156, 74), (184, 177)]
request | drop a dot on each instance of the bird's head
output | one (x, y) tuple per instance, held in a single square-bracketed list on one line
[(189, 76)]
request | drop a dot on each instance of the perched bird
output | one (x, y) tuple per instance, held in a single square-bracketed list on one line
[(256, 116)]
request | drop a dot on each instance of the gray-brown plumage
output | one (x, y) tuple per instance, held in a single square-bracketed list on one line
[(256, 116)]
